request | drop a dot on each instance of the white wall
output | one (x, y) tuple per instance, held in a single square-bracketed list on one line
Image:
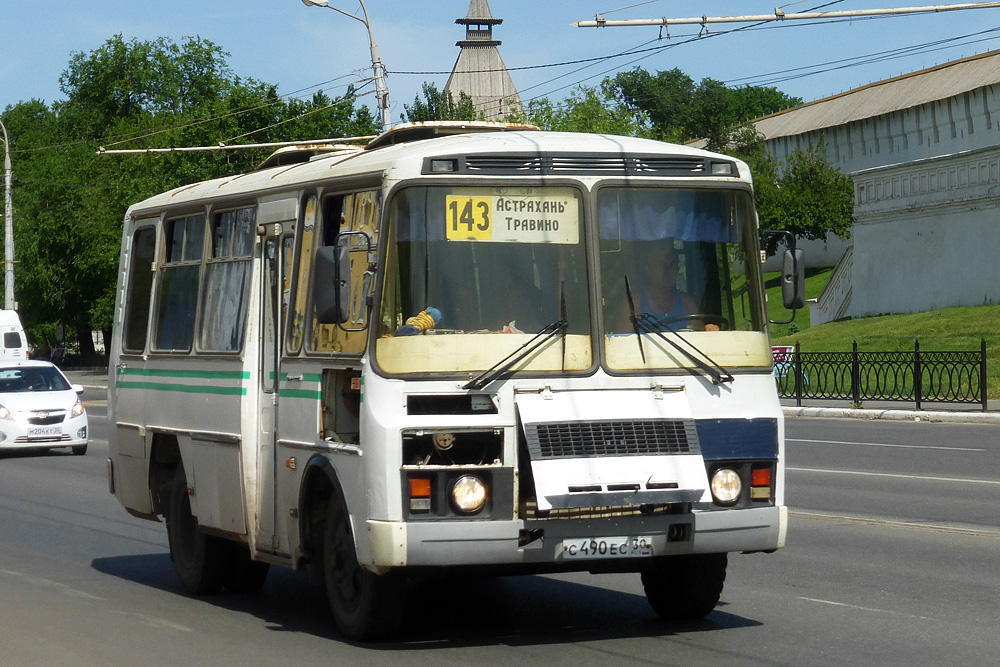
[(927, 235), (927, 194)]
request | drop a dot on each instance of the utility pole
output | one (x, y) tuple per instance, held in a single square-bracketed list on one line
[(8, 227), (381, 91), (778, 15)]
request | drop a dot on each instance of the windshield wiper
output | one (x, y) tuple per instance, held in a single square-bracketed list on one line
[(634, 319), (717, 374), (493, 372)]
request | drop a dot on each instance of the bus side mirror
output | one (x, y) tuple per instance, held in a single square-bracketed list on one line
[(332, 284), (793, 279)]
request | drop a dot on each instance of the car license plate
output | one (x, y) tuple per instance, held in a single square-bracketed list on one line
[(607, 547), (44, 431)]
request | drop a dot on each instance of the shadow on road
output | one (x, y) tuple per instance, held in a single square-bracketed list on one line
[(453, 612)]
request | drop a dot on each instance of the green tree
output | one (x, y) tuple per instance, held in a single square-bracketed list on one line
[(70, 202), (806, 195), (679, 110), (588, 109), (439, 105), (664, 97)]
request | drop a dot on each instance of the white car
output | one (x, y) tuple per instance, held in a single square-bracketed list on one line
[(39, 408)]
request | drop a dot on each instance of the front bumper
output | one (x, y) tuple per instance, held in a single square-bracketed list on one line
[(540, 543), (17, 434)]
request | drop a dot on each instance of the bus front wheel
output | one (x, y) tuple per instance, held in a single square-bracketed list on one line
[(365, 606), (200, 560), (686, 587)]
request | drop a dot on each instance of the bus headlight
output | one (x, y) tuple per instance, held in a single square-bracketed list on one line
[(468, 495), (726, 486)]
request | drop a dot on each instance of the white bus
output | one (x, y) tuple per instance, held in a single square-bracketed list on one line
[(457, 349)]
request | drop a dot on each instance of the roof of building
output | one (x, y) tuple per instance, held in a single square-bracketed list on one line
[(882, 97), (479, 14)]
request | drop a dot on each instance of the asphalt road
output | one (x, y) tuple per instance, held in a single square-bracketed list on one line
[(892, 559)]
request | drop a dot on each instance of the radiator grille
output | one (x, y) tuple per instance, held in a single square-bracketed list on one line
[(593, 164), (505, 164), (50, 418), (644, 437)]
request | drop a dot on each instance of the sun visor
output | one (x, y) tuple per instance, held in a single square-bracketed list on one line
[(585, 454)]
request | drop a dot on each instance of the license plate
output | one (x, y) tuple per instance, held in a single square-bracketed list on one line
[(607, 547), (43, 431)]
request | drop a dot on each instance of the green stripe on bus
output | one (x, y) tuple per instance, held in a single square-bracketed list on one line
[(185, 373), (185, 388), (299, 393)]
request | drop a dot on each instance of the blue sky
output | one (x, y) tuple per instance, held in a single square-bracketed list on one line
[(300, 48)]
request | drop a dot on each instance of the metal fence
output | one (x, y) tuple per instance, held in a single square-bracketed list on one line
[(920, 376)]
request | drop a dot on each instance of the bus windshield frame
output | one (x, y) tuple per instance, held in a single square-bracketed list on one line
[(679, 262), (505, 262)]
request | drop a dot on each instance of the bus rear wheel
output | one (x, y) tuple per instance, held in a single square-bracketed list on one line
[(200, 560), (687, 587), (366, 606)]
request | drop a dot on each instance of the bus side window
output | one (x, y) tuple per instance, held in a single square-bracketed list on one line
[(178, 286), (303, 270), (227, 282), (358, 212), (140, 287)]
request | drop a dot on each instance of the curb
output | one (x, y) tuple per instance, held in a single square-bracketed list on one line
[(897, 415)]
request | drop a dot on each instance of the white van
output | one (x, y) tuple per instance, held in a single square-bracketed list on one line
[(13, 343)]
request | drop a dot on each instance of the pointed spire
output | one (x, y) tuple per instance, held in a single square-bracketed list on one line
[(480, 14), (480, 71)]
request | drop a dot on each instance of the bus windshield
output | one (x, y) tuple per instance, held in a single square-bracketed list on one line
[(502, 263), (679, 261)]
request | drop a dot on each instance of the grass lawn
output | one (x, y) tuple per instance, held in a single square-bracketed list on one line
[(959, 328), (816, 280)]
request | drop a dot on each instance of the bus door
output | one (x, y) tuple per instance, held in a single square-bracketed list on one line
[(275, 250), (127, 400)]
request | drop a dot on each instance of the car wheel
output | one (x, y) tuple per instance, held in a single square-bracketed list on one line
[(686, 587), (200, 560), (366, 606), (80, 450)]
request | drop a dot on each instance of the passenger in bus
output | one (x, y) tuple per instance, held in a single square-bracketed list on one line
[(660, 296), (655, 293)]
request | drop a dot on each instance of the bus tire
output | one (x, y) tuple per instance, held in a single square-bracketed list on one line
[(687, 587), (366, 606), (200, 560), (245, 575)]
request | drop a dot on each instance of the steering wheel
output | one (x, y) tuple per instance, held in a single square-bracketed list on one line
[(707, 318)]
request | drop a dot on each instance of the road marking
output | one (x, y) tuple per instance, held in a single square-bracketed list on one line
[(41, 581), (154, 622), (884, 444), (923, 478), (895, 523), (854, 606)]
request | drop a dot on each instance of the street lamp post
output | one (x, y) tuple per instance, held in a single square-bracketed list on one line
[(8, 225), (381, 92)]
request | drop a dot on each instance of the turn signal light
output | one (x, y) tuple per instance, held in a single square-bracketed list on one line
[(420, 495), (760, 477), (760, 484), (420, 488)]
